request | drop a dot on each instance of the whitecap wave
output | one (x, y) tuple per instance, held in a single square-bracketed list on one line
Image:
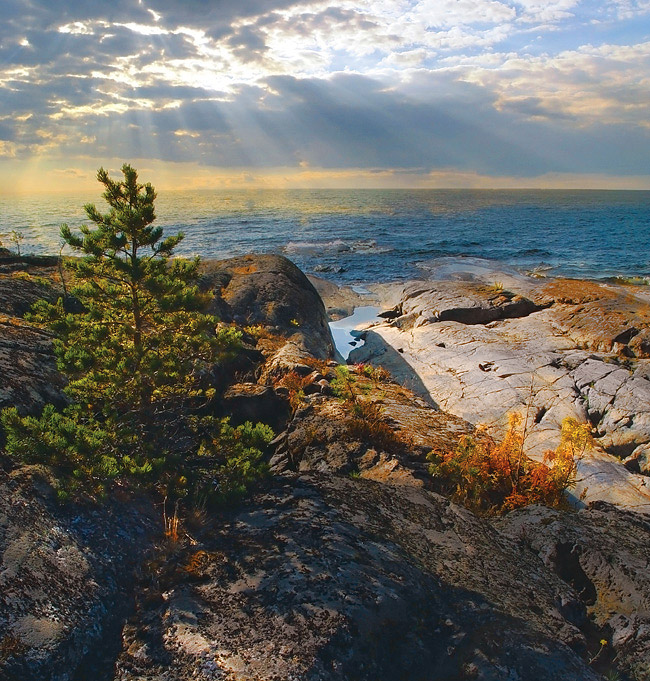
[(307, 248)]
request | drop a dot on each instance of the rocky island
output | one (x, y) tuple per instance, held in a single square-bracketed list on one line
[(346, 562)]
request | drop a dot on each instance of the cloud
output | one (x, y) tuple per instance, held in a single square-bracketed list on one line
[(591, 85), (354, 121), (73, 173), (464, 84)]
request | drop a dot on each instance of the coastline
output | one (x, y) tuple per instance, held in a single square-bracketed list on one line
[(356, 236), (481, 343), (347, 542)]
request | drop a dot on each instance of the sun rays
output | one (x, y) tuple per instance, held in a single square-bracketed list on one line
[(328, 91)]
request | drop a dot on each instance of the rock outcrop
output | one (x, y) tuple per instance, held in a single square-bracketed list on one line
[(27, 363), (322, 435), (345, 564), (65, 577), (604, 554), (321, 577), (480, 353), (271, 291)]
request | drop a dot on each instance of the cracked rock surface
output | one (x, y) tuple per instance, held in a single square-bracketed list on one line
[(551, 351), (602, 552), (65, 575)]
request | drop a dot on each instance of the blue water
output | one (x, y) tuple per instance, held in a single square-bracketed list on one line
[(382, 235)]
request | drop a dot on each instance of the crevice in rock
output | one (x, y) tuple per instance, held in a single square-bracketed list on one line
[(622, 450), (541, 412), (98, 663), (517, 309), (565, 562), (626, 336)]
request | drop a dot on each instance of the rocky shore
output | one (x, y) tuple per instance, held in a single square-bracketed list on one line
[(345, 563), (481, 344)]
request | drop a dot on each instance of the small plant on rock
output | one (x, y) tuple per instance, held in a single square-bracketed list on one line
[(366, 421), (295, 384), (15, 237), (495, 477)]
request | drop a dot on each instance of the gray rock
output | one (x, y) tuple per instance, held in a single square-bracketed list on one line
[(463, 302), (481, 372), (270, 290), (324, 578), (63, 577), (603, 553), (27, 364), (639, 460)]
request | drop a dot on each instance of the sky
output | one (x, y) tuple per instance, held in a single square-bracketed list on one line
[(325, 93)]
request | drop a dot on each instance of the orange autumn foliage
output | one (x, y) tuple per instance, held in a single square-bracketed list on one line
[(495, 477)]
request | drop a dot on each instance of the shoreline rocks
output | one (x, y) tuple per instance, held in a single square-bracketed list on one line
[(345, 563), (480, 352)]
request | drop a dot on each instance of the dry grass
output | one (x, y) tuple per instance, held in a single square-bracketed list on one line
[(367, 424)]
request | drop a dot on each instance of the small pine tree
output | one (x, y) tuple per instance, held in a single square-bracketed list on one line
[(139, 355)]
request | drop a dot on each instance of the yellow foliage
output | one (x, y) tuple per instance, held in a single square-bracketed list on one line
[(495, 477)]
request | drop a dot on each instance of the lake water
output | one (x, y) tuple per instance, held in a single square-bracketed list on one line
[(357, 236)]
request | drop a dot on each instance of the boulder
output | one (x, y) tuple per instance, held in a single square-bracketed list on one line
[(270, 290)]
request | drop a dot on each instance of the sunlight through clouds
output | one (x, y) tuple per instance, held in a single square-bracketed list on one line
[(495, 87)]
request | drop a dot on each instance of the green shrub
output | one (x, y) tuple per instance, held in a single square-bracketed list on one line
[(140, 358)]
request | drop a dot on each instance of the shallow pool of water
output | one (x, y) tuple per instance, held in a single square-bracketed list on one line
[(343, 330)]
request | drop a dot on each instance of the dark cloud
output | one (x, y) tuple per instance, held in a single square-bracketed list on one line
[(535, 107), (212, 15), (352, 121), (249, 44)]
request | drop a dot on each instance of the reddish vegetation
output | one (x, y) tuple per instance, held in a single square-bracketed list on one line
[(494, 477)]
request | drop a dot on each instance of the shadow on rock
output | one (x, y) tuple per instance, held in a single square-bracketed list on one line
[(323, 577), (375, 350)]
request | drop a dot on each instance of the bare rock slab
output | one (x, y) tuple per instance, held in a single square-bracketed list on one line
[(533, 362), (603, 553), (27, 363), (325, 578)]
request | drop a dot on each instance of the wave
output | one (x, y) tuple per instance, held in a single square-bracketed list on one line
[(307, 248)]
